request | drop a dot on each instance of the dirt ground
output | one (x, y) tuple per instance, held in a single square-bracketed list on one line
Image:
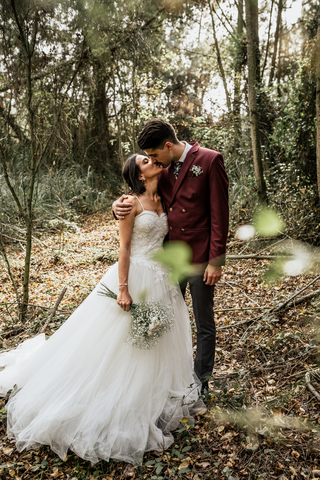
[(262, 420)]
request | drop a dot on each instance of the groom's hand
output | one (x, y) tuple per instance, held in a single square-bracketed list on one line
[(121, 208), (212, 274)]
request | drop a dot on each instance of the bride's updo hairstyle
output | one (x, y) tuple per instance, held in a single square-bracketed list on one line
[(130, 173)]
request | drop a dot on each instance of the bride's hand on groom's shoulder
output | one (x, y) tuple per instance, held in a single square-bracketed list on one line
[(121, 207)]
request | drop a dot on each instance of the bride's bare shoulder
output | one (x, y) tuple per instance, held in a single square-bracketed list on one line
[(136, 205)]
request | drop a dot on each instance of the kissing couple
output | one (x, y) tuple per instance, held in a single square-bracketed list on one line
[(87, 388)]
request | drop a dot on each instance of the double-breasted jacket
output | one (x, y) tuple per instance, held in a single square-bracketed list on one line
[(197, 204)]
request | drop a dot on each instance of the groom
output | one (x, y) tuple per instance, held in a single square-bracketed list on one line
[(194, 188)]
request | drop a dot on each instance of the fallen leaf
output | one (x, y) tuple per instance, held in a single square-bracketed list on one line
[(7, 450), (203, 464), (130, 471), (227, 435), (185, 463), (292, 470)]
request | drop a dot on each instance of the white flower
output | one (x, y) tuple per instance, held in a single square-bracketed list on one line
[(154, 325), (196, 171)]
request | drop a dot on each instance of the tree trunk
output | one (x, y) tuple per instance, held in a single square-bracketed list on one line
[(221, 69), (238, 64), (100, 151), (318, 103), (268, 40), (253, 86), (276, 41)]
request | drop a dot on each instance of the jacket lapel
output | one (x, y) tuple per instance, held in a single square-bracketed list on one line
[(184, 170)]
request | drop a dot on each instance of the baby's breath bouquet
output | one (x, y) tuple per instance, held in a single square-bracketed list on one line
[(149, 321)]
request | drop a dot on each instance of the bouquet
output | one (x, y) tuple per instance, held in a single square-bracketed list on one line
[(149, 321)]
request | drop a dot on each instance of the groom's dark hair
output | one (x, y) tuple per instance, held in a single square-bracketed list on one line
[(156, 133)]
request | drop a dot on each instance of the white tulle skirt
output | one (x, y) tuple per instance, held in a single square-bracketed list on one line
[(86, 390)]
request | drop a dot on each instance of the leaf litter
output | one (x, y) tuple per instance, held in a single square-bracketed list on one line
[(262, 420)]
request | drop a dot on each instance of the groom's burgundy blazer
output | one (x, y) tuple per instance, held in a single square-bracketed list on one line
[(197, 205)]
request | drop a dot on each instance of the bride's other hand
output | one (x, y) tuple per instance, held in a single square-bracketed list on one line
[(121, 208), (124, 299)]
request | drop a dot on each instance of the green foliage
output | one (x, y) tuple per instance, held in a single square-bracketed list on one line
[(177, 257), (293, 138), (268, 223)]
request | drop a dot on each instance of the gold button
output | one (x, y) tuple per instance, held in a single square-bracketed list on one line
[(183, 210), (170, 228), (182, 229), (170, 209)]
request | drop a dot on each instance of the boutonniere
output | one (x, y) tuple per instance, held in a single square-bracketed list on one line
[(196, 171)]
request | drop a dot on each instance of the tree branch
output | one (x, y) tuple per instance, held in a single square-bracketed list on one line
[(6, 177), (11, 122), (4, 254), (311, 388), (52, 314)]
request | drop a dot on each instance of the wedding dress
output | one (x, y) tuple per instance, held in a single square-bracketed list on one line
[(86, 390)]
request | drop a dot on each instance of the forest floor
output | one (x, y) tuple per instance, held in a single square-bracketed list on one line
[(262, 422)]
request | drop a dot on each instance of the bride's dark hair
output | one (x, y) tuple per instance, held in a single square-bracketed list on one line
[(130, 173)]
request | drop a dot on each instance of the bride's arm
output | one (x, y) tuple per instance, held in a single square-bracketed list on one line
[(126, 226)]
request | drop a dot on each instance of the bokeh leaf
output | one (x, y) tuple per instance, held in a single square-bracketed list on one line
[(268, 223), (177, 257)]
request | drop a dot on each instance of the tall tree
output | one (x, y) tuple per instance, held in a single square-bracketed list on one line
[(220, 64), (276, 42), (27, 138), (238, 61), (317, 69), (251, 7)]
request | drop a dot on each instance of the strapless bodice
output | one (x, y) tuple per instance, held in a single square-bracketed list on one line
[(149, 231)]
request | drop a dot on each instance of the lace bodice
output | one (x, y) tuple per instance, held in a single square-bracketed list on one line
[(149, 230)]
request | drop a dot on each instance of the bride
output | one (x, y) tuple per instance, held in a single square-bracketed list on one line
[(87, 390)]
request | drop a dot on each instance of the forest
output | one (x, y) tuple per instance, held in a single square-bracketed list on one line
[(78, 81)]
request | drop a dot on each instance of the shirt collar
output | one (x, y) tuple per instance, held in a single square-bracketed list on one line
[(185, 151)]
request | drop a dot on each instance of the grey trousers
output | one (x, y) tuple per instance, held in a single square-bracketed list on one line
[(202, 301)]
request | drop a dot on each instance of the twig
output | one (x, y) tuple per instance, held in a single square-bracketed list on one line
[(311, 388), (258, 257), (272, 310), (238, 309), (4, 254), (33, 305), (271, 246), (304, 298), (295, 295), (54, 309), (17, 330)]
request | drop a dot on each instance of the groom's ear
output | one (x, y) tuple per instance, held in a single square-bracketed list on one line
[(168, 146)]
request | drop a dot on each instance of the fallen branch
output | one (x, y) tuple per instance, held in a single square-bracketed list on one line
[(239, 308), (55, 308), (258, 257), (304, 298), (278, 308), (295, 295), (311, 388)]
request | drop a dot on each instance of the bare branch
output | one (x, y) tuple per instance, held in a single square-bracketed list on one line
[(8, 182), (311, 388), (12, 123), (52, 314), (4, 254)]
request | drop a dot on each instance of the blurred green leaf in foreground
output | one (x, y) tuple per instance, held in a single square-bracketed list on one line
[(176, 256), (268, 223)]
